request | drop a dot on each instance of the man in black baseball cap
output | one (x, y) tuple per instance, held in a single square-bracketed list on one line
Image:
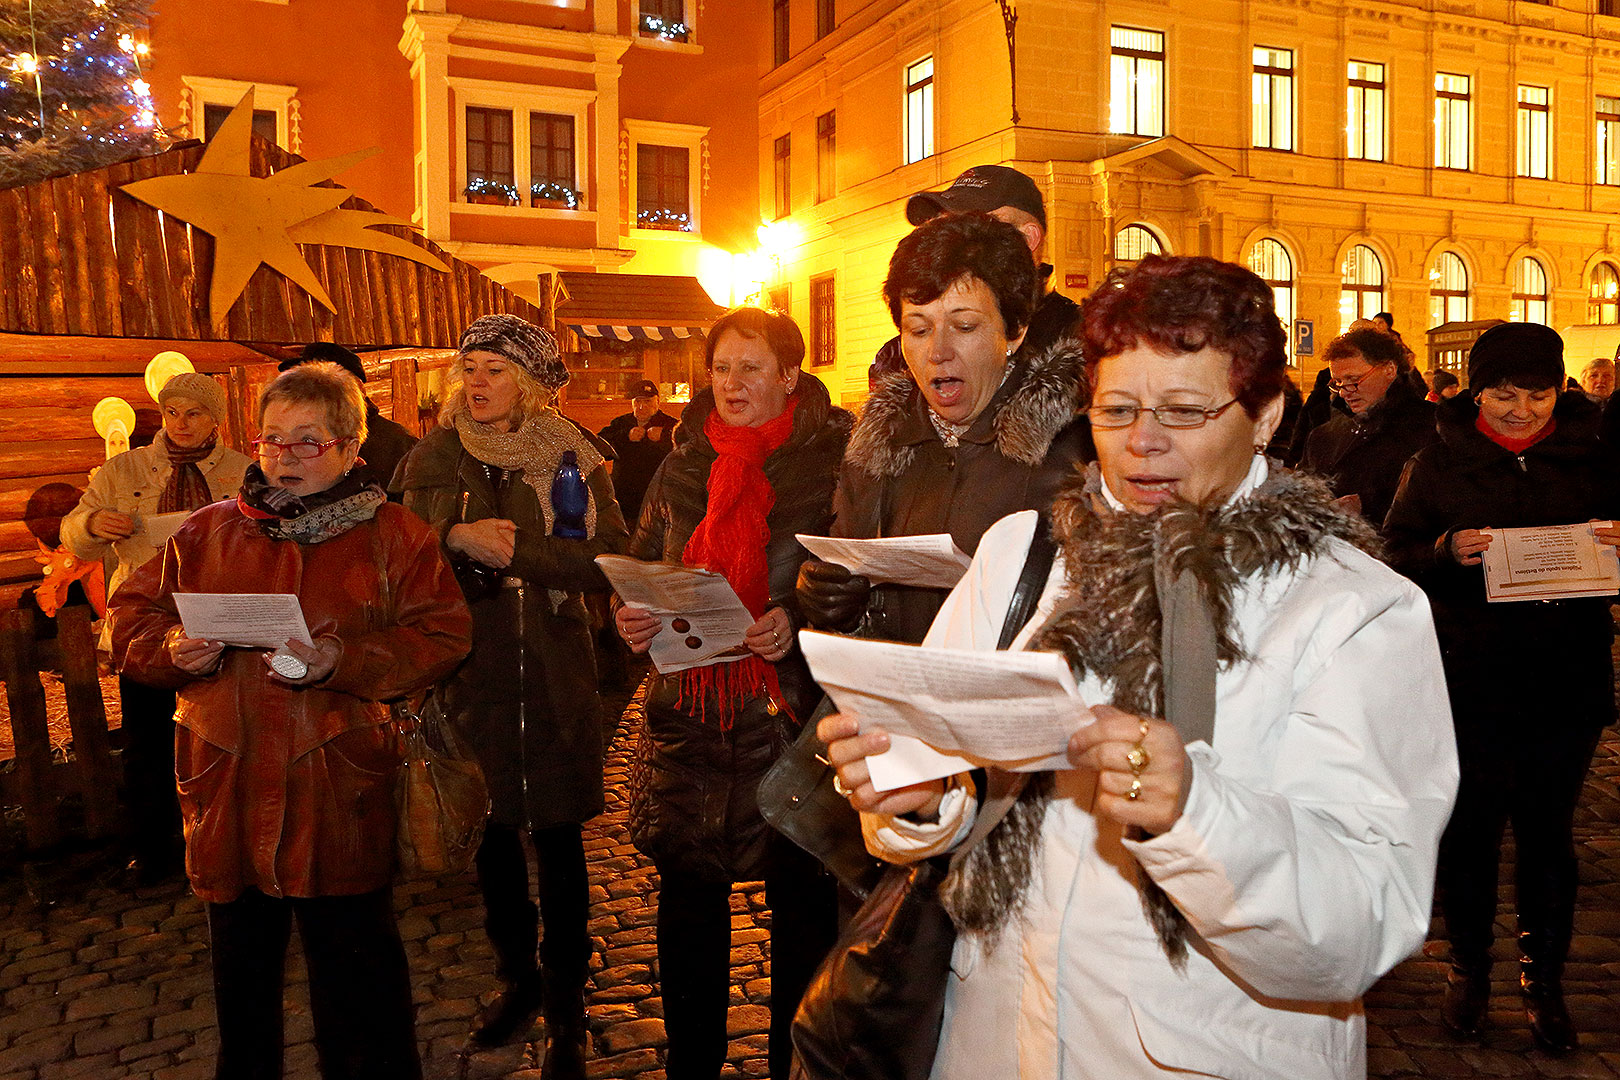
[(640, 439), (386, 442)]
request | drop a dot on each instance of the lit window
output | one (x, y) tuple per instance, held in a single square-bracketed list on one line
[(1361, 290), (1136, 65), (1452, 106), (1529, 292), (1608, 140), (1134, 241), (1603, 296), (665, 19), (1271, 261), (1533, 133), (1448, 290), (784, 176), (823, 323), (920, 110), (1273, 98), (1364, 111), (663, 187), (490, 172), (779, 32), (826, 156)]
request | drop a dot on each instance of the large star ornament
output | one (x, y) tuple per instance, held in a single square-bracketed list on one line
[(261, 220)]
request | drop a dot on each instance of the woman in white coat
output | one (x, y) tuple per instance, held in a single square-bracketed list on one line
[(1175, 902)]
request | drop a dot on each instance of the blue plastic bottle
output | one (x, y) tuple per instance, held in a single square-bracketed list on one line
[(569, 499)]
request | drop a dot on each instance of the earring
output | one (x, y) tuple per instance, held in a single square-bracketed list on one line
[(1259, 448)]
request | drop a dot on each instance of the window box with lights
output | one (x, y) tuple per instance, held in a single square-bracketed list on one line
[(482, 192), (553, 196), (666, 29)]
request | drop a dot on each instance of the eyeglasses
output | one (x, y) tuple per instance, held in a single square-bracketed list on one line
[(1170, 416), (303, 450), (1339, 386)]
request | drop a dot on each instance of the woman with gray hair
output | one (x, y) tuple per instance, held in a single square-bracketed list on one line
[(526, 699)]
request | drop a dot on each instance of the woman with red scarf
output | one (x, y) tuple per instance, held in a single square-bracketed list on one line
[(1531, 683), (754, 463)]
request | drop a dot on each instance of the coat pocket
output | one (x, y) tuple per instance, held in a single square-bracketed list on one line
[(1239, 1038)]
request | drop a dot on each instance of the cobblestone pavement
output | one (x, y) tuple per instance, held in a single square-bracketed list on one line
[(104, 984)]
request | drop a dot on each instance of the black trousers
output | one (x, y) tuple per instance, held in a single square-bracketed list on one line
[(513, 922), (694, 957), (359, 985), (1534, 782), (149, 786)]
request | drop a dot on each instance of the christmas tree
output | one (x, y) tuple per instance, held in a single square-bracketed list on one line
[(72, 95)]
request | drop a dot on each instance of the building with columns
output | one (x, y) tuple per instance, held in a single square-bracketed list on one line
[(1446, 161)]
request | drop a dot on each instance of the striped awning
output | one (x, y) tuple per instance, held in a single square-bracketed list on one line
[(634, 333)]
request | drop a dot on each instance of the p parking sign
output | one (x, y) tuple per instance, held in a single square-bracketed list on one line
[(1304, 337)]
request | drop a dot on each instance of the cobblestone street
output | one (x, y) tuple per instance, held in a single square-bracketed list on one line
[(106, 985)]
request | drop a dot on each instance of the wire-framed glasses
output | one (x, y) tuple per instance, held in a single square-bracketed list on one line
[(1170, 416), (1341, 386), (303, 449)]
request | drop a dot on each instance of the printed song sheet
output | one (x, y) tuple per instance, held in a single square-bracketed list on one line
[(1552, 562), (253, 620), (926, 562), (1011, 709), (704, 621), (159, 527)]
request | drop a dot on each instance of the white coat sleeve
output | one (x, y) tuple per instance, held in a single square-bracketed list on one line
[(1313, 877)]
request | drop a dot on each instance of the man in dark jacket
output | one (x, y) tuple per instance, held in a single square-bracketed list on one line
[(1361, 455), (386, 443), (641, 439)]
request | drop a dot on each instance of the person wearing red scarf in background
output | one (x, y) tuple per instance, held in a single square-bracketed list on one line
[(1531, 684), (755, 461)]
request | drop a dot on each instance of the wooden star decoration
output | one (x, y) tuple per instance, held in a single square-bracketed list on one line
[(258, 220)]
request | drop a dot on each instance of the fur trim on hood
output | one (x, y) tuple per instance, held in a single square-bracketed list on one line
[(1040, 396)]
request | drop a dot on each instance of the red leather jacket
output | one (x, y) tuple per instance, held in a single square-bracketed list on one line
[(290, 789)]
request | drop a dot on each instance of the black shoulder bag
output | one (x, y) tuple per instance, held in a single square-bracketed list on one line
[(876, 1005)]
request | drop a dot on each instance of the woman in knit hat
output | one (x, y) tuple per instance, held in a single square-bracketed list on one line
[(185, 468), (1532, 684), (526, 699)]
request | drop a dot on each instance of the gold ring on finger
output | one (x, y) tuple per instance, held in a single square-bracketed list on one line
[(1136, 789), (838, 786), (1138, 759)]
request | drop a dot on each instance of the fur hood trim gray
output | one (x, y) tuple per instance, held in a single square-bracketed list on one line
[(1043, 394)]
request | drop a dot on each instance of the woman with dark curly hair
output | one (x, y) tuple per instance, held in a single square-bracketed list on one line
[(1241, 835)]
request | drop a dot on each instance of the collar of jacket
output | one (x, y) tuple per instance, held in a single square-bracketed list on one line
[(1576, 415), (815, 412), (1037, 399), (1400, 398)]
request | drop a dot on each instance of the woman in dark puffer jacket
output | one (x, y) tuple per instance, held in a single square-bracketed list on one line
[(1531, 683), (753, 464)]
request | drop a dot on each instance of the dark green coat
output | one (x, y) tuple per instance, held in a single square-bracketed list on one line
[(526, 698)]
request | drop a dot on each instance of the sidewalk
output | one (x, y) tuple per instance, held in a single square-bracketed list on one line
[(107, 985)]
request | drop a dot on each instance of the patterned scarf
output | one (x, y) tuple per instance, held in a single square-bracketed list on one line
[(309, 519), (731, 540), (186, 489)]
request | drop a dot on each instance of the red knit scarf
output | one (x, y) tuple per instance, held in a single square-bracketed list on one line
[(1508, 442), (731, 541)]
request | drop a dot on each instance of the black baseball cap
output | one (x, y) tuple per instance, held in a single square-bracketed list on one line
[(329, 352), (644, 388), (983, 187)]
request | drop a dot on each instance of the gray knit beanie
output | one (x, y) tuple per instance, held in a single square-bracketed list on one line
[(203, 389), (521, 342)]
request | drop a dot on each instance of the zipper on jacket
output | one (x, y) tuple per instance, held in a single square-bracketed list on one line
[(1522, 466)]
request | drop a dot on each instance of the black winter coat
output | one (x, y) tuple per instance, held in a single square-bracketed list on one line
[(526, 699), (635, 460), (1518, 665), (1363, 455), (693, 802)]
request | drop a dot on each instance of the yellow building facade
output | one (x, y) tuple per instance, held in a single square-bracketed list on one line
[(1444, 161)]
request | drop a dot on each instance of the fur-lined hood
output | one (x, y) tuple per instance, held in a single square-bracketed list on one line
[(1039, 398)]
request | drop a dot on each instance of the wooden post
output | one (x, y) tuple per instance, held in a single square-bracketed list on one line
[(87, 718), (28, 727), (406, 411)]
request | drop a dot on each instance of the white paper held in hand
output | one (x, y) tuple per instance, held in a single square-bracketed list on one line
[(1549, 562), (925, 562), (251, 620), (1015, 710), (704, 622)]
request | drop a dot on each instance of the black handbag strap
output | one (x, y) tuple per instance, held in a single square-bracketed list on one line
[(1031, 581)]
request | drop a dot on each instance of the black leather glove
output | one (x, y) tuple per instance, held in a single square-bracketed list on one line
[(830, 597)]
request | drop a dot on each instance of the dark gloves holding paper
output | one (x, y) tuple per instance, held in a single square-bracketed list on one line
[(830, 597)]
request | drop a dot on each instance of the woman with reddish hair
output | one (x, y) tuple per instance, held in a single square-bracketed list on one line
[(1239, 837)]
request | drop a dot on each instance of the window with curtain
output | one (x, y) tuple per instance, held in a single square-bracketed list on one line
[(1448, 290), (1134, 241), (1608, 140), (1136, 76), (1272, 262), (663, 188), (1273, 98), (1453, 106), (1361, 286), (1529, 291), (920, 110), (1603, 295), (1534, 132), (1364, 111)]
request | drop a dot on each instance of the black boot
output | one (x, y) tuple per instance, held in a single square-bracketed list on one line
[(565, 1031), (1541, 980), (1468, 991), (511, 1014)]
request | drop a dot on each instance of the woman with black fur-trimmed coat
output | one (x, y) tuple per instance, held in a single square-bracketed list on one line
[(972, 432)]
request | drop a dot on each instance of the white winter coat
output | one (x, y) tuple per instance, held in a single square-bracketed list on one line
[(131, 483), (1304, 860)]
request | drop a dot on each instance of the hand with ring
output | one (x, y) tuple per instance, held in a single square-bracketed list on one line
[(847, 750), (771, 637), (1142, 770), (637, 626)]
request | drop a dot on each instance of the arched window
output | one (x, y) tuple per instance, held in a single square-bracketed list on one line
[(1448, 290), (1134, 241), (1603, 296), (1272, 262), (1361, 296), (1529, 292)]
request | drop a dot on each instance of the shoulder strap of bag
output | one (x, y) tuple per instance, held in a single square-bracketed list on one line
[(1187, 644)]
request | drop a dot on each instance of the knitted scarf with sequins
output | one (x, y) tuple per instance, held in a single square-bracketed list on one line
[(1108, 623)]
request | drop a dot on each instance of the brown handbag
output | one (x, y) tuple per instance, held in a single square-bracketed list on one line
[(441, 799)]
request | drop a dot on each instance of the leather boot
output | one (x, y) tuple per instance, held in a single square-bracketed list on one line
[(511, 1014), (1468, 991), (1541, 981), (565, 1032)]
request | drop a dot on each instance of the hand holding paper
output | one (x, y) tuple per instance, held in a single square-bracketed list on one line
[(1551, 562), (705, 622), (926, 562)]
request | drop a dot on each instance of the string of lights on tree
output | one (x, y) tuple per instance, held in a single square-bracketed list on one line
[(73, 92)]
